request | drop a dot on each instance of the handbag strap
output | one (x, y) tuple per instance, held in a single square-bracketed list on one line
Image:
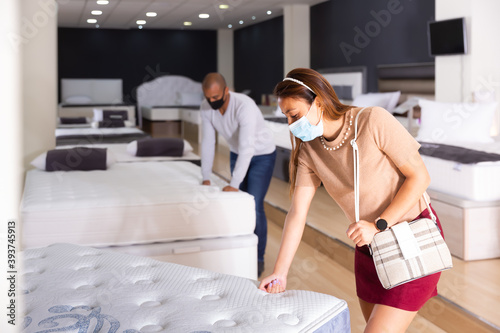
[(355, 154)]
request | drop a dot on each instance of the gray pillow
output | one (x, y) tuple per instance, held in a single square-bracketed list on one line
[(160, 147), (78, 158)]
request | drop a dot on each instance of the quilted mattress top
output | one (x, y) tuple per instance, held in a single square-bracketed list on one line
[(81, 289)]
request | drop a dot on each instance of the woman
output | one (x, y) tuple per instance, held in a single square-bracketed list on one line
[(393, 178)]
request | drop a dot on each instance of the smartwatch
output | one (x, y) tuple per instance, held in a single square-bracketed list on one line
[(381, 224)]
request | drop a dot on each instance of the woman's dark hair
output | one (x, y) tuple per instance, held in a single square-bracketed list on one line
[(328, 101)]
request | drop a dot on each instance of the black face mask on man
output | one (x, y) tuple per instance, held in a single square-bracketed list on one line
[(216, 105)]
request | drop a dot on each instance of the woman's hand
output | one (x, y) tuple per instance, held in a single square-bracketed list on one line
[(362, 232), (273, 284)]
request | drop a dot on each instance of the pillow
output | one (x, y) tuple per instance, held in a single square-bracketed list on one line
[(455, 122), (159, 147), (387, 100), (72, 120), (343, 92), (115, 114), (78, 100), (78, 158), (184, 98), (105, 123)]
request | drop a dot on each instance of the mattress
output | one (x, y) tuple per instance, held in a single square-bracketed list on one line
[(163, 113), (229, 255), (120, 154), (79, 136), (73, 288), (280, 132), (478, 182), (131, 203)]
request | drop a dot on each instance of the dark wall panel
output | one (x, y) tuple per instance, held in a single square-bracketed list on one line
[(136, 56), (258, 57), (370, 33)]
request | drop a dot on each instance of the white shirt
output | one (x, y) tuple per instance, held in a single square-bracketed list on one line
[(243, 127)]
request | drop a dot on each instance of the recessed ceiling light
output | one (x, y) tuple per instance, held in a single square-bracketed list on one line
[(140, 22), (223, 6), (269, 12), (151, 14), (241, 22), (253, 17), (140, 27), (204, 16), (229, 26), (102, 2), (92, 21), (96, 12), (188, 23)]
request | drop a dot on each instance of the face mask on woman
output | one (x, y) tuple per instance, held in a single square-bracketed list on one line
[(304, 130)]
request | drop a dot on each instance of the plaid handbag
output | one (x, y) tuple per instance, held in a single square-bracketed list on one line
[(408, 250)]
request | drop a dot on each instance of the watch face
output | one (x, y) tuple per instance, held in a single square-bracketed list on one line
[(381, 224)]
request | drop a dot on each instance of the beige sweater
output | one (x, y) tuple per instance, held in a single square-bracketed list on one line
[(384, 145)]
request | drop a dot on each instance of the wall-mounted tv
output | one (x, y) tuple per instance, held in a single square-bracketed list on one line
[(447, 37)]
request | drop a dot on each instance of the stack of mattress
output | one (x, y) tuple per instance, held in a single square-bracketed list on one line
[(74, 288), (156, 209)]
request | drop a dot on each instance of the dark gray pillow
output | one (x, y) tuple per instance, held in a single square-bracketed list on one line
[(78, 158), (109, 123), (114, 114), (73, 120), (343, 92), (160, 147)]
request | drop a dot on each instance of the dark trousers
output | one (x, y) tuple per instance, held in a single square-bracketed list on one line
[(256, 183)]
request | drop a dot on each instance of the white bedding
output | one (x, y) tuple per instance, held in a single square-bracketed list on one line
[(281, 134), (96, 131), (91, 290), (479, 182), (131, 203)]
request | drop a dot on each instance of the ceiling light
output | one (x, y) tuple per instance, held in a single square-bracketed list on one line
[(140, 22), (151, 14), (253, 17), (223, 6), (140, 27), (92, 21), (269, 12), (241, 22), (204, 16), (96, 12), (229, 26), (188, 23), (102, 2)]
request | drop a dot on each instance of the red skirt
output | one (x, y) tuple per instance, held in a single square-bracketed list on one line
[(410, 296)]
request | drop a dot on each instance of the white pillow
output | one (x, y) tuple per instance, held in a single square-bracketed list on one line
[(98, 115), (78, 100), (132, 148), (188, 98), (387, 100), (39, 161), (455, 122)]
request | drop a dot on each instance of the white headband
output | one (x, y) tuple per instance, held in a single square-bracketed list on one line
[(299, 82)]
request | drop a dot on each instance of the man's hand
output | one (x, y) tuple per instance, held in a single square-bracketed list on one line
[(229, 189), (206, 182)]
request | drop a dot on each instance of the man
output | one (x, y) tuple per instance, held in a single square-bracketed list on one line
[(237, 118)]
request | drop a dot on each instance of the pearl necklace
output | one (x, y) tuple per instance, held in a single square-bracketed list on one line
[(343, 140)]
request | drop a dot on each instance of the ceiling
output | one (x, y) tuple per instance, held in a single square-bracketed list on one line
[(171, 14)]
